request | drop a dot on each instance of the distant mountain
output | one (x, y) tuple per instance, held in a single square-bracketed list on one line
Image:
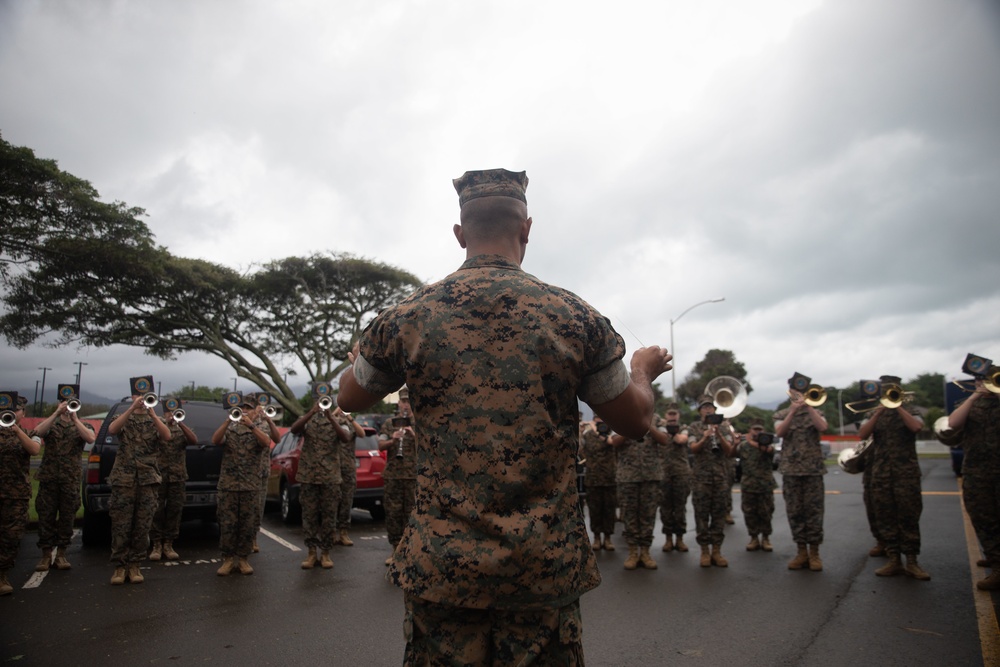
[(86, 396)]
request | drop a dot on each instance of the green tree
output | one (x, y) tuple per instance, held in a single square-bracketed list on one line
[(715, 363), (928, 389)]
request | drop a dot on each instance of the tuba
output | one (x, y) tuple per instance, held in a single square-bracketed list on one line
[(851, 459), (728, 394)]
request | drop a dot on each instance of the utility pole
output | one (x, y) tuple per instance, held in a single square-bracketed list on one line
[(43, 369), (79, 370)]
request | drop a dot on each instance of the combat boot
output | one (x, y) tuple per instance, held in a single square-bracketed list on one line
[(801, 559), (679, 545), (256, 549), (729, 519), (134, 575), (244, 566), (914, 570), (607, 543), (118, 577), (765, 543), (815, 562), (310, 561), (157, 552), (597, 542), (45, 561), (754, 544), (168, 551), (228, 563), (877, 551), (668, 546), (645, 559), (61, 562), (892, 568), (706, 557), (990, 583), (632, 561), (345, 539), (325, 561), (717, 558), (5, 587)]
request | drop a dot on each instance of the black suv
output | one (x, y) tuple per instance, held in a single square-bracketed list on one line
[(203, 464)]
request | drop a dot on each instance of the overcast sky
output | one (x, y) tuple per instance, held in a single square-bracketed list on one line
[(831, 168)]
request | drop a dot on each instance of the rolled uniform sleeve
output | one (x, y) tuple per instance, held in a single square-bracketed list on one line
[(373, 380), (605, 385)]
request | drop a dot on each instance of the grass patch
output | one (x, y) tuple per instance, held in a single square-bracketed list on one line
[(33, 515)]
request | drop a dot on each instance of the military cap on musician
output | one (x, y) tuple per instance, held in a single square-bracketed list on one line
[(491, 183), (673, 407), (756, 422), (890, 379), (705, 399), (22, 402), (248, 401), (799, 382)]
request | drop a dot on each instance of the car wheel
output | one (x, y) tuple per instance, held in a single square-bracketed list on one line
[(291, 511)]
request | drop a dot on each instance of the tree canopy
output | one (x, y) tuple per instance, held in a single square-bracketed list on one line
[(715, 363)]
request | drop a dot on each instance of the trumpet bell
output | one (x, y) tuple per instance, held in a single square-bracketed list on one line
[(179, 416), (325, 403), (271, 411), (235, 415), (150, 400), (814, 396), (7, 419), (73, 405), (892, 396), (992, 382), (728, 394)]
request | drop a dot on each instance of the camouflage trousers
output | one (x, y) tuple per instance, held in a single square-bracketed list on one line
[(897, 505), (804, 505), (601, 504), (347, 488), (709, 500), (131, 509), (758, 508), (261, 504), (238, 511), (439, 635), (981, 495), (56, 505), (674, 492), (866, 496), (400, 497), (639, 501), (169, 509), (319, 514), (13, 523)]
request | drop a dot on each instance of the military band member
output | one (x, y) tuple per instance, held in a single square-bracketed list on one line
[(264, 422), (58, 499), (638, 477), (17, 446), (757, 486), (399, 441), (172, 462), (135, 480), (711, 442), (348, 476), (802, 468), (602, 467), (676, 485)]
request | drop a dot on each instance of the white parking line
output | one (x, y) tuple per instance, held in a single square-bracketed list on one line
[(38, 577), (280, 541)]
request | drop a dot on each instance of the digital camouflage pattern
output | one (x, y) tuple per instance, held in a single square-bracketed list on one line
[(240, 459), (348, 474), (397, 467), (58, 477), (494, 360), (400, 475), (138, 451), (15, 494), (172, 455), (894, 490), (239, 490), (602, 496), (320, 477), (980, 438), (757, 488), (639, 477), (172, 462), (709, 488), (802, 468), (675, 488), (134, 491), (61, 456), (801, 453), (639, 461)]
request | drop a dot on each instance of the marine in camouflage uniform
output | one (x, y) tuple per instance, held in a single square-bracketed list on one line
[(895, 484), (58, 477), (172, 461), (802, 468), (496, 555), (757, 487), (267, 425), (975, 426), (602, 497), (638, 477), (675, 488), (319, 482), (400, 475), (711, 445), (16, 449), (134, 480), (239, 487), (866, 497), (348, 477)]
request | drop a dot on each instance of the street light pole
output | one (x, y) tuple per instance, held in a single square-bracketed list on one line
[(79, 370), (673, 370), (43, 369)]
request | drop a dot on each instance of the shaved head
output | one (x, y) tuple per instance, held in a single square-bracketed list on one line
[(492, 218)]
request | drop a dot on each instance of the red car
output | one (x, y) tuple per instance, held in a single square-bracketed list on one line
[(283, 488)]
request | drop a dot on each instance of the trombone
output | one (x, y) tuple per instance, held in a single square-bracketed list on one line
[(814, 395), (891, 396)]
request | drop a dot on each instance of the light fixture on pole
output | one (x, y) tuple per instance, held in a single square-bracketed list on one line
[(673, 371)]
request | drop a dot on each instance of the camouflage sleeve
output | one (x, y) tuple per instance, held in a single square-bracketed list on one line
[(374, 380), (607, 376), (605, 385)]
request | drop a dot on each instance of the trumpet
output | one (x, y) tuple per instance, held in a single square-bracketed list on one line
[(179, 416), (73, 405), (325, 403), (236, 415), (814, 395), (7, 419), (150, 400), (271, 411)]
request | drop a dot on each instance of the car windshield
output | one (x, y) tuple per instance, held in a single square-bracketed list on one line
[(366, 444)]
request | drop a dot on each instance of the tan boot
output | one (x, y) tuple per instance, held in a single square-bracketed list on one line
[(310, 561), (706, 557), (717, 558), (157, 552), (244, 566), (5, 586), (134, 575), (914, 570), (388, 561), (801, 559), (597, 542), (345, 539), (325, 561), (877, 551), (632, 561), (990, 583), (668, 546), (168, 551), (892, 568), (765, 543), (645, 559), (45, 562), (729, 519), (228, 563), (815, 562), (679, 545), (607, 543), (118, 577), (61, 563), (754, 544)]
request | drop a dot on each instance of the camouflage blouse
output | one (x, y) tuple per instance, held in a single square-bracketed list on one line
[(710, 465), (757, 469), (138, 449), (396, 467), (63, 449), (673, 457), (639, 461), (348, 459), (240, 459), (980, 438), (319, 461), (172, 459), (602, 460), (894, 448), (15, 464), (801, 453), (494, 360)]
